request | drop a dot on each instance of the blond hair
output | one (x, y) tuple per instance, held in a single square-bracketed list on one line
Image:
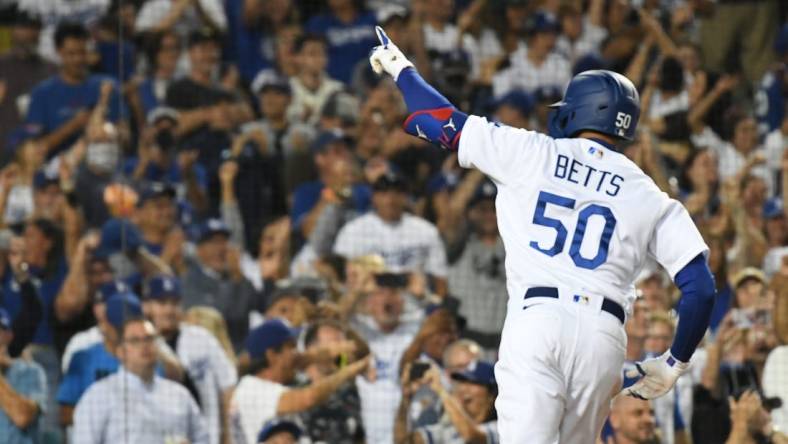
[(213, 321)]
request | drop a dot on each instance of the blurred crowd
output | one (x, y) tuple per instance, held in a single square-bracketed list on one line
[(215, 230)]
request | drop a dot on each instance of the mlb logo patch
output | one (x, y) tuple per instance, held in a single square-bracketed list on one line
[(596, 152), (581, 299)]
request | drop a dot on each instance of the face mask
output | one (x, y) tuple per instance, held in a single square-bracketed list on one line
[(103, 156)]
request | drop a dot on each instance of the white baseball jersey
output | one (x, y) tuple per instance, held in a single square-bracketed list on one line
[(211, 371), (574, 214), (411, 244)]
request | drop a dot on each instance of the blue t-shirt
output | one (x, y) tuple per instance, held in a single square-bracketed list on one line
[(54, 102), (147, 95), (27, 379), (86, 367), (251, 49), (48, 288), (307, 195), (348, 43)]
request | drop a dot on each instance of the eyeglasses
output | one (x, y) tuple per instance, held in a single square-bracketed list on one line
[(137, 340)]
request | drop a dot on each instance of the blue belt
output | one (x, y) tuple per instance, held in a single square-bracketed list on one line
[(608, 305)]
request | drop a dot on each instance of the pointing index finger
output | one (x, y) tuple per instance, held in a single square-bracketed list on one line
[(384, 39)]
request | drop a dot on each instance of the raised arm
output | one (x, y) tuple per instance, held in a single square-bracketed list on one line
[(431, 116)]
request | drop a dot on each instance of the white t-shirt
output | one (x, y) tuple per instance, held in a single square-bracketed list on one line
[(589, 41), (380, 399), (576, 215), (153, 11), (211, 371), (555, 70), (254, 402), (775, 383), (412, 244)]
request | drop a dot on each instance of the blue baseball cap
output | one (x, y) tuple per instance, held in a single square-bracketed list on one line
[(271, 334), (269, 79), (542, 22), (485, 191), (5, 319), (275, 426), (327, 138), (109, 289), (119, 235), (43, 179), (519, 100), (478, 372), (123, 307), (209, 228), (773, 208), (153, 190), (162, 287)]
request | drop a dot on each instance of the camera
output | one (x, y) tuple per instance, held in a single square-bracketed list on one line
[(391, 280)]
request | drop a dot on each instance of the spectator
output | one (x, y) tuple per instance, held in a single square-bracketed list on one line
[(349, 32), (311, 86), (158, 409), (514, 109), (54, 13), (207, 367), (581, 34), (480, 270), (437, 331), (279, 432), (389, 332), (770, 95), (674, 410), (213, 278), (632, 421), (30, 310), (338, 419), (536, 64), (470, 414), (22, 392), (751, 422), (163, 51), (775, 383), (181, 16), (98, 360), (335, 188), (211, 320), (27, 156), (20, 70), (156, 217), (207, 111), (255, 30), (407, 243), (102, 290), (262, 394), (61, 104)]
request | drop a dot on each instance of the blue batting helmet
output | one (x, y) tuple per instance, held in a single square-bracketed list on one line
[(597, 100)]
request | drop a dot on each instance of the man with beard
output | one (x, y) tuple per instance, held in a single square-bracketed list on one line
[(633, 421)]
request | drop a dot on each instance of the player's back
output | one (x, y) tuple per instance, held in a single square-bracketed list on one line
[(573, 213)]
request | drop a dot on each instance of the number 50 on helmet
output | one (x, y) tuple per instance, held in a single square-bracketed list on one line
[(597, 100)]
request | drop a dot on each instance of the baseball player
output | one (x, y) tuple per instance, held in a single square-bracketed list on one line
[(578, 220)]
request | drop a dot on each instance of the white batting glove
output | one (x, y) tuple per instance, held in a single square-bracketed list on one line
[(387, 57), (658, 376)]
